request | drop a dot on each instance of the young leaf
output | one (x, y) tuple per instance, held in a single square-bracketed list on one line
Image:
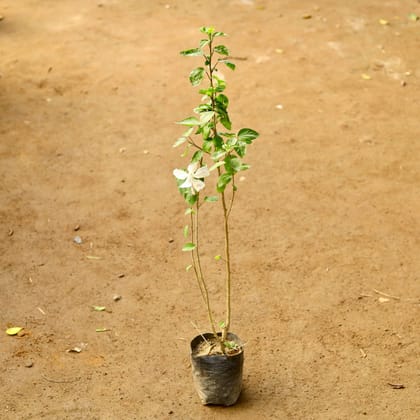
[(219, 34), (180, 141), (211, 199), (192, 52), (196, 76), (232, 164), (205, 117), (197, 156), (217, 257), (223, 180), (222, 324), (218, 154), (229, 64), (216, 165), (190, 122), (221, 49), (209, 30), (204, 42), (185, 231), (188, 247), (247, 135), (189, 211), (222, 101)]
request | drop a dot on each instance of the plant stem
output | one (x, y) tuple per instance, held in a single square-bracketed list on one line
[(198, 269), (226, 211)]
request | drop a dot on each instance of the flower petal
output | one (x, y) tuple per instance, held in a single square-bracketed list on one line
[(197, 185), (192, 167), (180, 174), (186, 183), (202, 172)]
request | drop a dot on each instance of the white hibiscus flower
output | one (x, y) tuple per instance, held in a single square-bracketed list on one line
[(192, 177)]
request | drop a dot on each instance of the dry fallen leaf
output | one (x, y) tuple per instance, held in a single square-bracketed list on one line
[(396, 386), (383, 300), (383, 22), (366, 76), (13, 330), (102, 329)]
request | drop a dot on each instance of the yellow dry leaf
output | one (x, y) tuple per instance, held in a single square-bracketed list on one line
[(383, 22), (366, 76), (13, 330)]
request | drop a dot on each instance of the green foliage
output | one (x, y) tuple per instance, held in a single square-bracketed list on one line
[(218, 151), (188, 247)]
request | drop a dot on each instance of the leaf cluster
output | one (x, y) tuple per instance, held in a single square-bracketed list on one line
[(224, 149)]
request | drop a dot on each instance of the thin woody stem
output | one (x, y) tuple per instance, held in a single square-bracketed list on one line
[(198, 269), (226, 211)]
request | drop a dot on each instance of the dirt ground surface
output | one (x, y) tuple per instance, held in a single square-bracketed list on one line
[(326, 225)]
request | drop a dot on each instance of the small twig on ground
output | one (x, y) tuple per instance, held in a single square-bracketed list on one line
[(60, 381), (386, 294)]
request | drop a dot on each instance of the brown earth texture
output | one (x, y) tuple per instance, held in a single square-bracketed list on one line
[(325, 227)]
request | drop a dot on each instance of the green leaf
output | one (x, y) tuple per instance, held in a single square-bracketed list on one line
[(229, 64), (247, 135), (222, 100), (218, 142), (209, 30), (221, 49), (207, 145), (226, 121), (187, 149), (223, 180), (218, 154), (204, 42), (232, 164), (208, 92), (197, 156), (180, 141), (218, 258), (240, 149), (189, 211), (244, 167), (190, 122), (192, 52), (216, 165), (205, 117), (222, 324), (211, 199), (185, 231), (188, 247), (221, 84), (219, 34), (196, 76)]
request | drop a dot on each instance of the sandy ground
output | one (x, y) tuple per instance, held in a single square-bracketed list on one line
[(326, 224)]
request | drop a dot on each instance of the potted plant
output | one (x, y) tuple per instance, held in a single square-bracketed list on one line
[(217, 356)]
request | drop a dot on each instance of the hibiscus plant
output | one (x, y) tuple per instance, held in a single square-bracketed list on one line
[(215, 149)]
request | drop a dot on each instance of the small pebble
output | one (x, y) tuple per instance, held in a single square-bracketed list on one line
[(117, 298), (121, 275), (77, 240), (29, 363), (76, 228)]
